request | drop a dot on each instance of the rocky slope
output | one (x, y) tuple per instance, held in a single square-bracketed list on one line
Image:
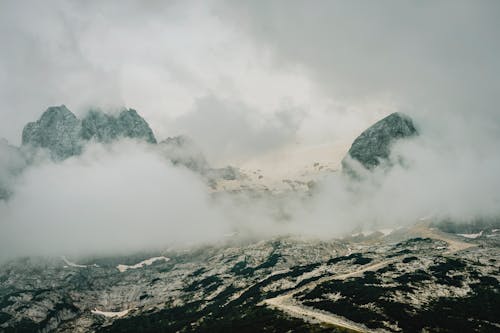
[(57, 130), (373, 146), (408, 281), (106, 128)]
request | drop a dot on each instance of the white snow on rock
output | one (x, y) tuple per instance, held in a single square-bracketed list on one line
[(147, 262), (366, 233), (72, 264), (386, 231), (471, 236), (110, 314)]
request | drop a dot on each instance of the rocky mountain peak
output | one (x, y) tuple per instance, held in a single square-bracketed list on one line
[(57, 130), (106, 128), (64, 135), (131, 125), (374, 144)]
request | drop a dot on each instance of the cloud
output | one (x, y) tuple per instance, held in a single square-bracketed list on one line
[(244, 79), (117, 198), (435, 182), (154, 57), (437, 57), (127, 197), (226, 128)]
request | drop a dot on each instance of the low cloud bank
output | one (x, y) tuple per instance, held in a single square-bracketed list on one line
[(115, 198), (127, 197)]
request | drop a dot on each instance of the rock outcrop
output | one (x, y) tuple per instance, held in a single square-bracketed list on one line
[(60, 132), (373, 146), (106, 128), (57, 130)]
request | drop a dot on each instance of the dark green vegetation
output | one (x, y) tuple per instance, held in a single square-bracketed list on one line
[(357, 259), (239, 319), (368, 300), (471, 227), (241, 268), (241, 314)]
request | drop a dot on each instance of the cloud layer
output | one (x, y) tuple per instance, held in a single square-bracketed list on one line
[(244, 80)]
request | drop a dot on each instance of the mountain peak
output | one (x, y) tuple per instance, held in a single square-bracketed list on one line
[(374, 144), (103, 127), (63, 134), (58, 130)]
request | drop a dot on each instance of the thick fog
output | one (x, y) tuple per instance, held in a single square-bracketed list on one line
[(245, 80)]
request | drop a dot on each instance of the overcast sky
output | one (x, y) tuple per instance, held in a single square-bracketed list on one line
[(245, 79), (289, 71)]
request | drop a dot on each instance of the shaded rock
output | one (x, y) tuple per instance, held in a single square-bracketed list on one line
[(373, 146), (107, 128), (57, 130), (99, 126)]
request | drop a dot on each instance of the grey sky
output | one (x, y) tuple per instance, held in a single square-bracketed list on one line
[(325, 57)]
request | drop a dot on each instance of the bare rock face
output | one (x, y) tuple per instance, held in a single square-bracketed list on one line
[(57, 130), (399, 283), (374, 145), (107, 128), (64, 135)]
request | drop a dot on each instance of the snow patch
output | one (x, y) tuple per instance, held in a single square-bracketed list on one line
[(471, 236), (72, 264), (366, 233), (147, 262), (386, 231), (110, 314)]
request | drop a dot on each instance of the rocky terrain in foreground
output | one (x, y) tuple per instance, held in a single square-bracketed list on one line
[(409, 280)]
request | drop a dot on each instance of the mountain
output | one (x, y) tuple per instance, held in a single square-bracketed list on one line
[(64, 135), (411, 280), (373, 146), (57, 130), (106, 128), (415, 279)]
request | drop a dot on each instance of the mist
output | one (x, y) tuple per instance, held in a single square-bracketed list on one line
[(246, 80), (127, 197)]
